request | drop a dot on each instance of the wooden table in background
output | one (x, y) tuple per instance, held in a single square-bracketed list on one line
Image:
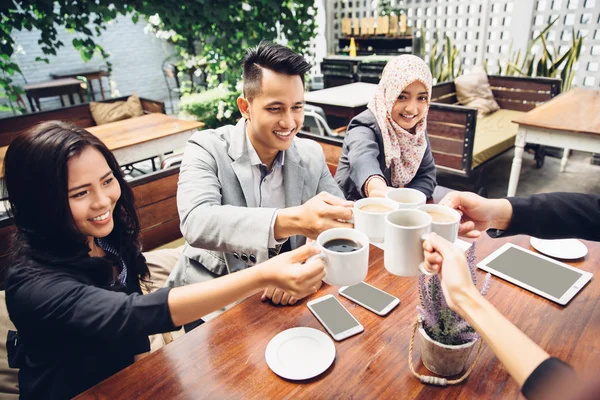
[(346, 101), (57, 87), (225, 358), (138, 138), (570, 121), (90, 75)]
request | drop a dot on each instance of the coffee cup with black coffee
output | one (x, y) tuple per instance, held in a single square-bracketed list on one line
[(345, 252), (444, 220), (369, 216)]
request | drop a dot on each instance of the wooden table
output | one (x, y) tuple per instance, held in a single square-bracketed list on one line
[(225, 358), (57, 87), (570, 121), (139, 138), (90, 75), (344, 101)]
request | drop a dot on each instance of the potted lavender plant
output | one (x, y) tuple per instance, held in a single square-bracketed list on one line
[(446, 339)]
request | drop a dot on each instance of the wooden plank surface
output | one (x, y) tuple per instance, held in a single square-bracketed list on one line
[(225, 358), (574, 111), (145, 128)]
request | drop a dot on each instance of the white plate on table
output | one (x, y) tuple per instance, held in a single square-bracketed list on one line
[(300, 353), (567, 249)]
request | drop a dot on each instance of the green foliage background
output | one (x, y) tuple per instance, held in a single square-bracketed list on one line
[(211, 34)]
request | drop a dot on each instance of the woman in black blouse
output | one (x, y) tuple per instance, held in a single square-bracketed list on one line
[(73, 290), (549, 215)]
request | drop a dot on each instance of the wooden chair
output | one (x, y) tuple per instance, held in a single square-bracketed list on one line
[(463, 144)]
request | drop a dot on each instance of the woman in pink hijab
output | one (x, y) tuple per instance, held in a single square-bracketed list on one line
[(386, 146)]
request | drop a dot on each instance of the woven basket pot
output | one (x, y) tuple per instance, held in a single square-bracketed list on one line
[(443, 359)]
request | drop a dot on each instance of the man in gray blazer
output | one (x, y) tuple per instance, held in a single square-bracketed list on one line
[(249, 191)]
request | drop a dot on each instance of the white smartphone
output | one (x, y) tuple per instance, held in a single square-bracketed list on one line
[(334, 317), (539, 274), (371, 298)]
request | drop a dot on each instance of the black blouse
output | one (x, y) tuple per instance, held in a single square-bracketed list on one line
[(73, 331)]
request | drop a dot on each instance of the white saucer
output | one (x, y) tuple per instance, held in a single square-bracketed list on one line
[(300, 353), (567, 249)]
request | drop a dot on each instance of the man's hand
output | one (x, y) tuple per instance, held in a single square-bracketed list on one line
[(478, 213), (322, 212), (278, 296)]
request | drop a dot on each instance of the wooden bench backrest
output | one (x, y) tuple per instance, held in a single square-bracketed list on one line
[(156, 205), (451, 126), (79, 114)]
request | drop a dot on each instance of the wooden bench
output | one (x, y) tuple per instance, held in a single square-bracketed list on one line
[(156, 205), (463, 144), (80, 115)]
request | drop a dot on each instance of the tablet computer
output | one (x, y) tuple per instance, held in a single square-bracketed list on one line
[(539, 274)]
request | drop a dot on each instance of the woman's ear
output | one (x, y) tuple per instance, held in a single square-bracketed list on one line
[(244, 107)]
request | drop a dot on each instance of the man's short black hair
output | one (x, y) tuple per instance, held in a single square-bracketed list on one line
[(271, 56)]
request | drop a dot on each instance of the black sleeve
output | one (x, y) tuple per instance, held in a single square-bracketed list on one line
[(62, 304), (555, 215), (548, 379), (363, 156), (424, 180)]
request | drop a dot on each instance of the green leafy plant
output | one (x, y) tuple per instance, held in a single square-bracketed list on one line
[(213, 35), (207, 34), (215, 107), (444, 59), (548, 64)]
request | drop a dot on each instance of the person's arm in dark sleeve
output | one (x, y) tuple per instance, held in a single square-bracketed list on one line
[(424, 180), (555, 215), (62, 304), (552, 379), (363, 156)]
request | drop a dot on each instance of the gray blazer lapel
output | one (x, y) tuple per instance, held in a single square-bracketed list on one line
[(293, 177), (294, 174), (241, 164)]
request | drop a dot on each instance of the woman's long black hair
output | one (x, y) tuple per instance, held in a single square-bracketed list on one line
[(36, 177)]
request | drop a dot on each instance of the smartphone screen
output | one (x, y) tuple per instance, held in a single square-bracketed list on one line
[(369, 296), (334, 315)]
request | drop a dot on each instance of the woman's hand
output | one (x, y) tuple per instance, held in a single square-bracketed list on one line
[(377, 187), (450, 262), (291, 274)]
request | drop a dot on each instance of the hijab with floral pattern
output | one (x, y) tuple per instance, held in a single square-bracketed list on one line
[(403, 150)]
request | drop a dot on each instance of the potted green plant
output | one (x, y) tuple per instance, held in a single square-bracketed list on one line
[(446, 339)]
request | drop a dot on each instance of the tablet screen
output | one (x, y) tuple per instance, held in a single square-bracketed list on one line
[(534, 271)]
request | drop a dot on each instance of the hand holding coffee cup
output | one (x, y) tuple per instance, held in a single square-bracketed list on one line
[(444, 220), (345, 253)]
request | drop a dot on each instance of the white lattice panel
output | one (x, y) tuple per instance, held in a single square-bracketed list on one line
[(488, 29), (584, 17)]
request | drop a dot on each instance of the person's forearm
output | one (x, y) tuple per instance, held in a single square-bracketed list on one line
[(375, 183), (517, 352), (190, 303), (287, 223), (502, 214)]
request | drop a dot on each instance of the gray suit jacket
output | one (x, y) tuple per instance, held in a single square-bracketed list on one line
[(224, 230)]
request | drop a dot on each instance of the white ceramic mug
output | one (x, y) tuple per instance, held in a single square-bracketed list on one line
[(446, 229), (372, 223), (405, 231), (344, 269), (406, 197)]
